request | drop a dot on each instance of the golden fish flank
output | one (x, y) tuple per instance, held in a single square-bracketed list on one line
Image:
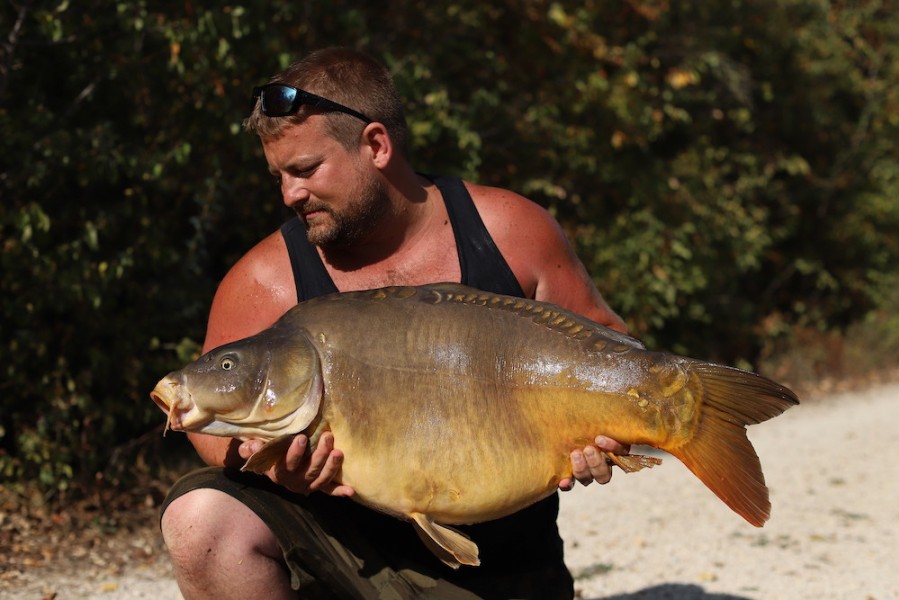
[(399, 374)]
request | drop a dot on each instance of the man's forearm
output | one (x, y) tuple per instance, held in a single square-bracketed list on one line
[(216, 451)]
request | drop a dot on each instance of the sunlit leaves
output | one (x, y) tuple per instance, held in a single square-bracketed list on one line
[(725, 170)]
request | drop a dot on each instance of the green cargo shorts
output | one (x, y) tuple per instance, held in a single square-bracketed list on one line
[(336, 548)]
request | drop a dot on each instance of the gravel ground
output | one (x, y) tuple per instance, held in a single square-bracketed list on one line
[(660, 534), (834, 527)]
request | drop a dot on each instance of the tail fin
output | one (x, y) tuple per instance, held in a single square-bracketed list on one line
[(720, 454)]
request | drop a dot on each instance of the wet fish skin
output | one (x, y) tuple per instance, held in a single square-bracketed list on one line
[(453, 405)]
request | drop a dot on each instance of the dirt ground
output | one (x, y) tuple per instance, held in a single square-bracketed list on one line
[(655, 535)]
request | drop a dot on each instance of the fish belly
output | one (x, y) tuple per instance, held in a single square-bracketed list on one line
[(471, 459)]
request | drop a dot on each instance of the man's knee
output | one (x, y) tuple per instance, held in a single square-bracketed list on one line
[(189, 526), (205, 525), (220, 548)]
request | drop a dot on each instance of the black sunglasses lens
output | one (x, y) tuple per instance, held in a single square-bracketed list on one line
[(277, 100), (281, 100)]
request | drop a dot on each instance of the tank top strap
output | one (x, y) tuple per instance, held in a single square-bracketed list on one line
[(309, 272), (482, 265)]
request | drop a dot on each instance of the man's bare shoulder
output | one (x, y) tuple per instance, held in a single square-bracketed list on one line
[(539, 253), (525, 233), (255, 292), (264, 268), (494, 202), (511, 218)]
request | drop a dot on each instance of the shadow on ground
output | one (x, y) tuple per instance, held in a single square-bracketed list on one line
[(673, 591)]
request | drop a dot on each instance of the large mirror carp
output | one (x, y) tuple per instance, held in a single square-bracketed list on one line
[(453, 405)]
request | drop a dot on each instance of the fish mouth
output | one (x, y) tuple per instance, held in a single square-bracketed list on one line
[(180, 409), (158, 396)]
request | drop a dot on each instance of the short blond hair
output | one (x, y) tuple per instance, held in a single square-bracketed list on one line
[(345, 76)]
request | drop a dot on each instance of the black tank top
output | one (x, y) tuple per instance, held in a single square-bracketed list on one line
[(529, 538), (481, 264)]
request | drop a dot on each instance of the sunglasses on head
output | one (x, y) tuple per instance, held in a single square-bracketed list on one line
[(281, 100)]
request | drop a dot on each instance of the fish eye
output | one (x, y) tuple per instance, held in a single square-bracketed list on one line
[(227, 363)]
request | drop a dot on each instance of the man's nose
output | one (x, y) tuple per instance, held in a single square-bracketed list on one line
[(293, 192)]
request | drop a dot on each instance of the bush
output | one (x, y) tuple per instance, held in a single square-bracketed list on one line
[(720, 167)]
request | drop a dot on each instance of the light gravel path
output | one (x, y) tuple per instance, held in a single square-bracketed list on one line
[(831, 465)]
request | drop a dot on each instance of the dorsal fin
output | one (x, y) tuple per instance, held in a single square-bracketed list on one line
[(549, 315)]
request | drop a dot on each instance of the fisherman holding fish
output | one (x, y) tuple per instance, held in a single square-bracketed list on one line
[(336, 142)]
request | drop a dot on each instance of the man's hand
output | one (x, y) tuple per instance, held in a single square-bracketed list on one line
[(589, 465), (305, 474)]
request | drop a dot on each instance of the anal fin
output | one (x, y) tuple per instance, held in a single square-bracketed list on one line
[(450, 546)]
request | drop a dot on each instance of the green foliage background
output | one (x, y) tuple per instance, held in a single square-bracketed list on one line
[(726, 169)]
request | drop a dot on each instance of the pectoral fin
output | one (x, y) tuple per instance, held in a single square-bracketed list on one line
[(268, 455), (450, 546)]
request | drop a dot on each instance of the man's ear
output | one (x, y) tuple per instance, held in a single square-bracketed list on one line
[(377, 144)]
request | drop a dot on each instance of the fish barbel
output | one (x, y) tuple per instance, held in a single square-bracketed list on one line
[(456, 406)]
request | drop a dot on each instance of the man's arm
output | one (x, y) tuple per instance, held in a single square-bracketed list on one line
[(257, 291), (246, 302), (544, 262), (541, 257)]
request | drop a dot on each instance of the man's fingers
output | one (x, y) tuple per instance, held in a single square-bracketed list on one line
[(304, 472), (610, 445), (600, 470), (335, 489), (589, 465), (249, 448), (328, 471), (296, 452), (566, 484), (319, 458), (580, 470)]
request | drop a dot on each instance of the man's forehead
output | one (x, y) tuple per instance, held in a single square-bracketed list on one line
[(299, 139)]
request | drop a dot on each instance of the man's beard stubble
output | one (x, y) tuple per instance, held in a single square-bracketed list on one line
[(353, 222)]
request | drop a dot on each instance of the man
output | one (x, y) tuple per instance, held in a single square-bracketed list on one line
[(366, 219)]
